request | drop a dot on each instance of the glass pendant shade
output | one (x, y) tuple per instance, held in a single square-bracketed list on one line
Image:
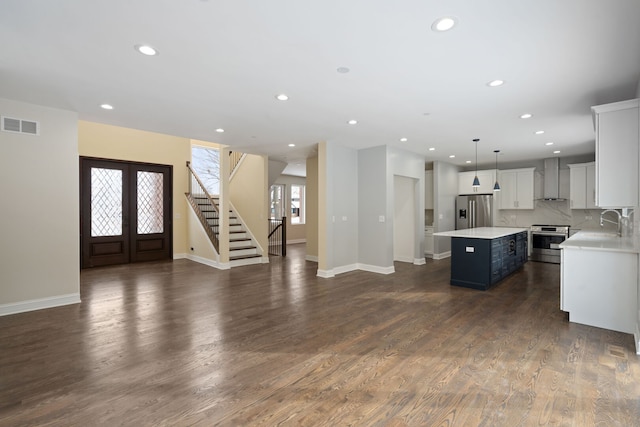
[(476, 181), (496, 186)]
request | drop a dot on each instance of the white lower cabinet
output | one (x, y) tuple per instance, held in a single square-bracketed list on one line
[(428, 242), (600, 288)]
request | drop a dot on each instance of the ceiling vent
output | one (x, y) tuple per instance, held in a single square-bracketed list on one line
[(29, 127)]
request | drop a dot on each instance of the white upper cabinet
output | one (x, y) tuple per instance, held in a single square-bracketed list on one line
[(617, 128), (487, 179), (582, 186), (428, 189), (516, 189)]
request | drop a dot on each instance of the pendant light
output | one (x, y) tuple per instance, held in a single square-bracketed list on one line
[(476, 181), (496, 186)]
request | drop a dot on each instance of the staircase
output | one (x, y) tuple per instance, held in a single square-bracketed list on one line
[(242, 248)]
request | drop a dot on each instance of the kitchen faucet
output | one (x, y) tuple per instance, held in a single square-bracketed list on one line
[(618, 223)]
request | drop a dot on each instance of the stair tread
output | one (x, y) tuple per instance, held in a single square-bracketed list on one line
[(242, 248), (231, 258)]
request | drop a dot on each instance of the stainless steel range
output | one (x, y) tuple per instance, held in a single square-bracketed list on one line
[(545, 240)]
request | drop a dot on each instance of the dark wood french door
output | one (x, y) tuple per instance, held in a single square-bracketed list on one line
[(125, 212)]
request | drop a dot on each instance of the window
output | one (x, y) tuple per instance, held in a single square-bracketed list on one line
[(297, 204), (276, 201), (206, 164)]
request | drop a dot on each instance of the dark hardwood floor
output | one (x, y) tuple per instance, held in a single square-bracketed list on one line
[(179, 343)]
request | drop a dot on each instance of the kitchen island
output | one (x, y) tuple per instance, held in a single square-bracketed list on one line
[(481, 257)]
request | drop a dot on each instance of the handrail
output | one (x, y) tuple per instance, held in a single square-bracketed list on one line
[(203, 219), (278, 247), (202, 187)]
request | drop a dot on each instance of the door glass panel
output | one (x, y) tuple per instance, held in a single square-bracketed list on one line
[(150, 203), (106, 202)]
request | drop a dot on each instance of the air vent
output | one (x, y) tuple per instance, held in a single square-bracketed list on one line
[(29, 127)]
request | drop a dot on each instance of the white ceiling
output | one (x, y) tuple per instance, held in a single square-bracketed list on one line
[(222, 62)]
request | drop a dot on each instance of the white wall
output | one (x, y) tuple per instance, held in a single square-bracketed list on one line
[(410, 165), (404, 230), (359, 190), (445, 179), (375, 247), (39, 253), (338, 252)]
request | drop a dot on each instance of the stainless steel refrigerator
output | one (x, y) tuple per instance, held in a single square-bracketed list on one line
[(474, 211)]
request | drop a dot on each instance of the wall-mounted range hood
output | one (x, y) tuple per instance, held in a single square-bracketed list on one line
[(552, 180)]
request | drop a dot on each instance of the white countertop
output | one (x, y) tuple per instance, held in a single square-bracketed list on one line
[(482, 232), (600, 241)]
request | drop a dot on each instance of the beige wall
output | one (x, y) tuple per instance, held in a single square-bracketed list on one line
[(113, 142), (312, 208), (249, 195), (39, 226)]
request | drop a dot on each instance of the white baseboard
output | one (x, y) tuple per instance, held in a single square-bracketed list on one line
[(210, 262), (636, 338), (419, 261), (442, 255), (345, 268), (180, 256), (325, 274), (38, 304), (296, 241), (376, 269), (403, 259), (311, 258)]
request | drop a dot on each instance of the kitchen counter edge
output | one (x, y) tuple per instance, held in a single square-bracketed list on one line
[(482, 232), (600, 241)]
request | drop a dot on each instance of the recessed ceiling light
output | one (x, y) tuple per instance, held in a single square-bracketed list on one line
[(548, 143), (403, 140), (146, 49), (556, 152), (219, 130), (526, 116), (292, 145), (468, 161), (282, 97), (432, 149), (539, 132), (352, 122), (343, 70), (452, 156), (107, 106), (444, 24), (495, 83)]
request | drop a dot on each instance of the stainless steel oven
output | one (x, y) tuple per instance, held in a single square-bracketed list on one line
[(545, 240)]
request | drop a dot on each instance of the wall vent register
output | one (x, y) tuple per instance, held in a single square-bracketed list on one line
[(29, 127)]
